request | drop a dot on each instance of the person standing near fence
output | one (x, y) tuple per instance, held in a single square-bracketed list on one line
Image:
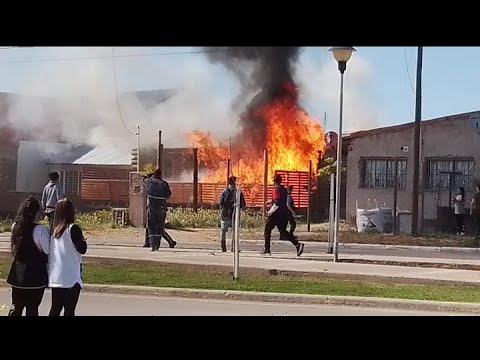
[(459, 203), (475, 213), (52, 193), (227, 204)]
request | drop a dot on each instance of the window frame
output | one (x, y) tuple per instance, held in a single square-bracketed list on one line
[(453, 160), (389, 175), (78, 179)]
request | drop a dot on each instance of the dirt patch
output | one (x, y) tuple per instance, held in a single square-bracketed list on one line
[(136, 237)]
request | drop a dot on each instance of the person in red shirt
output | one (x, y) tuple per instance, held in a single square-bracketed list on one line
[(278, 216)]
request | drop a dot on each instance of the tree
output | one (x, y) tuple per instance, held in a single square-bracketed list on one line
[(328, 167)]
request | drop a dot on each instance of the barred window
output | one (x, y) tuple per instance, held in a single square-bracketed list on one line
[(439, 177), (71, 182), (380, 173)]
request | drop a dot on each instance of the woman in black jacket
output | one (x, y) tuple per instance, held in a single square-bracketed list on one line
[(28, 274)]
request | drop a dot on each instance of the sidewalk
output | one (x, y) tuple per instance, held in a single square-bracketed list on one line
[(285, 261)]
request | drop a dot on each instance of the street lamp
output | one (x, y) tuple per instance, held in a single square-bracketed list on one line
[(341, 54)]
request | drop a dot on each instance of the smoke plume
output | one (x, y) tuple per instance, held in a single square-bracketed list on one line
[(320, 84), (260, 70), (76, 101)]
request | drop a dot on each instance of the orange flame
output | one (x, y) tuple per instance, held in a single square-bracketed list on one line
[(292, 139)]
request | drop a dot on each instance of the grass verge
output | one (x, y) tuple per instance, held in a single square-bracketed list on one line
[(143, 273)]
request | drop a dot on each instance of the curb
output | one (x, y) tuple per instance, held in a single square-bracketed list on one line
[(443, 249), (299, 299)]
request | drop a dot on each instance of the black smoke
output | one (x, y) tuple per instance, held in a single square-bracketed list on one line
[(261, 70)]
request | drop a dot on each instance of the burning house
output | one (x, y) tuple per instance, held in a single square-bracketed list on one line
[(273, 122)]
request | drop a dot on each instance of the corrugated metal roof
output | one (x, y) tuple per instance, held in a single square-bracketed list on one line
[(105, 156)]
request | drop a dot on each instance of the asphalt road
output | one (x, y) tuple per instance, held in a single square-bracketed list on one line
[(94, 304)]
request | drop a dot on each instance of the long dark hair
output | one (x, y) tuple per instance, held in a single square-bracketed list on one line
[(24, 222), (461, 190), (64, 216)]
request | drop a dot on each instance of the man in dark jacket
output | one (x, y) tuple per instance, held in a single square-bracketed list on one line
[(475, 213), (158, 192), (278, 217), (227, 203)]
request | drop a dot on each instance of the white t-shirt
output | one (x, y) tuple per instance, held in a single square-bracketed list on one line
[(65, 261), (459, 205)]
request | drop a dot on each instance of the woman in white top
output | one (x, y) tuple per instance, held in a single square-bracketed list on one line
[(65, 264), (459, 201), (28, 274)]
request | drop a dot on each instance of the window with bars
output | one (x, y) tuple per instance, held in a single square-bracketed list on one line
[(70, 179), (439, 173), (380, 173)]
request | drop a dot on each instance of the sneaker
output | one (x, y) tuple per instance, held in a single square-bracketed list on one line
[(300, 249), (172, 244), (266, 252)]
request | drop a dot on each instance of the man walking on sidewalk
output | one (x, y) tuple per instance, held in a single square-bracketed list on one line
[(278, 217), (158, 192)]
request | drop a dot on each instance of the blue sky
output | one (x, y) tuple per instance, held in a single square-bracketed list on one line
[(378, 90)]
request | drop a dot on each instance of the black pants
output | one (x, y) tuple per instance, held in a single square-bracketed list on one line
[(279, 219), (460, 223), (65, 299), (50, 217), (477, 223), (292, 222), (165, 235), (156, 215), (26, 298)]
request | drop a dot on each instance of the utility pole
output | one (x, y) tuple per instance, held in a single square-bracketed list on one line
[(138, 148), (416, 142), (160, 151)]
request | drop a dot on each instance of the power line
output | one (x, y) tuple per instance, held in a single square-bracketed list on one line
[(116, 92), (408, 72), (116, 56)]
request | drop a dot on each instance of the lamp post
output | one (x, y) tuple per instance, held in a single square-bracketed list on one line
[(341, 54)]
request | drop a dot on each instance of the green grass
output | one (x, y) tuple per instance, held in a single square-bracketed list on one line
[(179, 218), (96, 220), (5, 225), (124, 272), (209, 218)]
